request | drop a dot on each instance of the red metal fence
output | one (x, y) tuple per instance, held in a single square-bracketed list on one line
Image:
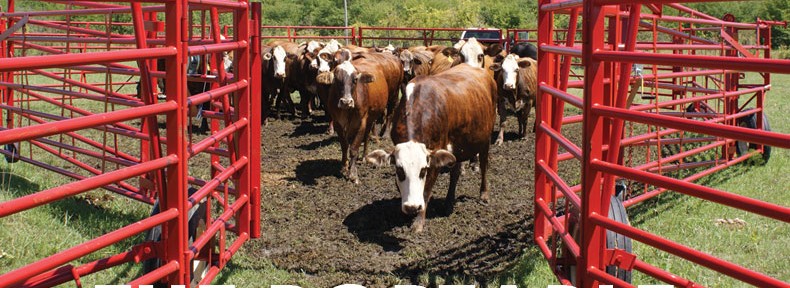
[(688, 91), (103, 137)]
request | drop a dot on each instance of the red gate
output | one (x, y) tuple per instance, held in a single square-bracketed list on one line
[(688, 92), (203, 213)]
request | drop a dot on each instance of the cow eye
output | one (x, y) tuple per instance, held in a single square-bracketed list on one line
[(400, 173), (354, 80), (516, 70), (423, 172)]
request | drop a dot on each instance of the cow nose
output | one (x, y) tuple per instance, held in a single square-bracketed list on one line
[(346, 103), (509, 87), (409, 209), (279, 75)]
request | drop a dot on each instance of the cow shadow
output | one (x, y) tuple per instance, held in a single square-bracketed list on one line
[(377, 222), (318, 144), (309, 128), (481, 260), (309, 171)]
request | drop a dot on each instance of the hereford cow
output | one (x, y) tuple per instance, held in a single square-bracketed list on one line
[(277, 64), (304, 72), (518, 83), (392, 70), (357, 98), (442, 120)]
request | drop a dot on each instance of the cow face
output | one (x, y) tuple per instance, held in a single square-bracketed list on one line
[(279, 55), (472, 53), (412, 161), (509, 69), (347, 76), (406, 58)]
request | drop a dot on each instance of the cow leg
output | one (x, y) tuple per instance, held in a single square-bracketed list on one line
[(359, 137), (392, 101), (522, 122), (483, 169), (265, 109), (305, 97), (449, 202), (343, 149), (501, 108), (289, 102)]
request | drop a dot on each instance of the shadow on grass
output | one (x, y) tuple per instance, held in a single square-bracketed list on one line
[(309, 171)]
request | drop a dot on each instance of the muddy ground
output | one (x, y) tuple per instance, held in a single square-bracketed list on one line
[(318, 223)]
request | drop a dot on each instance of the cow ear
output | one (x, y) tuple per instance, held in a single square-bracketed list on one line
[(380, 158), (442, 158), (267, 56), (343, 55), (366, 77), (495, 67), (309, 55), (325, 56), (524, 64), (499, 58), (450, 51)]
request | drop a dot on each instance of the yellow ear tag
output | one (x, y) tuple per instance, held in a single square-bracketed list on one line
[(449, 59)]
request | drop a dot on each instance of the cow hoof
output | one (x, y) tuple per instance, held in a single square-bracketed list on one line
[(484, 197), (448, 209), (417, 227), (499, 142)]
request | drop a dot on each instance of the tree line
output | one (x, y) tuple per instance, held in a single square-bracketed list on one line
[(444, 13)]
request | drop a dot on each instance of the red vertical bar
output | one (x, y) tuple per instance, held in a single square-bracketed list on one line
[(593, 237), (9, 52), (174, 232), (255, 123), (242, 32), (543, 114)]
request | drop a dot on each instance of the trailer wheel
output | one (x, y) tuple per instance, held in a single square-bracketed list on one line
[(750, 121), (14, 150), (196, 227), (613, 241)]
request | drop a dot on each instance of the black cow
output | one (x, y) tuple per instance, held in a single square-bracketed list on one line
[(524, 49)]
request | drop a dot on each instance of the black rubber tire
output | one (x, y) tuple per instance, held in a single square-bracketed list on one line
[(13, 148), (750, 121), (613, 240), (617, 241), (196, 215)]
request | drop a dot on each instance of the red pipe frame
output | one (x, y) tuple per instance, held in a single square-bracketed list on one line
[(241, 131), (607, 77)]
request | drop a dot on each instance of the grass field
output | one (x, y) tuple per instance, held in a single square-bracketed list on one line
[(759, 243)]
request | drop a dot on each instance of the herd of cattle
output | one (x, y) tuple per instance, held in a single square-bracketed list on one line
[(439, 104)]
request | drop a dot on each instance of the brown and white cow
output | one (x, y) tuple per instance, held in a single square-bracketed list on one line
[(442, 120), (518, 82), (392, 70), (275, 67), (357, 98)]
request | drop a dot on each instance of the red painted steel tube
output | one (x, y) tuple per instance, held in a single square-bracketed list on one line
[(601, 275), (214, 94), (76, 29), (255, 121), (214, 48), (565, 96), (52, 128), (204, 144), (158, 273), (558, 228), (561, 5), (66, 273), (113, 100), (564, 142), (662, 275), (562, 186), (562, 50), (225, 257), (704, 259), (217, 224), (57, 61), (730, 199), (74, 188), (695, 177), (701, 61), (86, 248), (215, 182), (750, 135)]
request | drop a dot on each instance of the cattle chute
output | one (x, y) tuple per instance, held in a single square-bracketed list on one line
[(650, 81), (84, 123)]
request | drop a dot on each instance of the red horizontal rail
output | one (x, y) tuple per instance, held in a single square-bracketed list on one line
[(704, 259), (562, 5), (561, 185), (73, 124), (158, 273), (86, 248), (766, 209), (700, 61), (564, 142), (565, 96), (57, 61), (74, 188), (726, 131), (217, 224), (560, 229)]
